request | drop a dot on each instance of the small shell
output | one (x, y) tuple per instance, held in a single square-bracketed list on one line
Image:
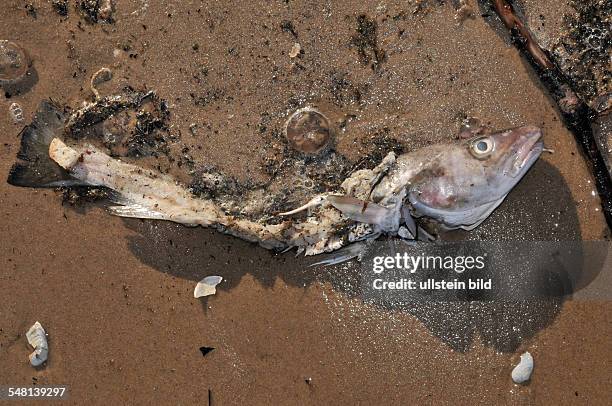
[(206, 286), (99, 77), (295, 50), (14, 62), (16, 112), (308, 131), (522, 372), (37, 338)]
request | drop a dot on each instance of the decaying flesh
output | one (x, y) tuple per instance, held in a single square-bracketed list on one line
[(458, 185)]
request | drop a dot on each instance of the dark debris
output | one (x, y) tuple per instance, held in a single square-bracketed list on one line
[(60, 7), (586, 48), (133, 124), (366, 42)]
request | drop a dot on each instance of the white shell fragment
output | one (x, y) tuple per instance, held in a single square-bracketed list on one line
[(206, 286), (37, 338), (295, 50), (522, 372)]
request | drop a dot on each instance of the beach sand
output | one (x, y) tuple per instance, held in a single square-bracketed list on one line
[(115, 295)]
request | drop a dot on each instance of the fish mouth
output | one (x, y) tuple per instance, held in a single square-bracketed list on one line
[(530, 147)]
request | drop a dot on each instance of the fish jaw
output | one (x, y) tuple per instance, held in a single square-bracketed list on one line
[(529, 147)]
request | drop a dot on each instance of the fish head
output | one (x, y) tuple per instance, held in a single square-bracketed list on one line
[(467, 181)]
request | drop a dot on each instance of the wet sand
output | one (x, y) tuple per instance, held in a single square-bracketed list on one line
[(116, 295)]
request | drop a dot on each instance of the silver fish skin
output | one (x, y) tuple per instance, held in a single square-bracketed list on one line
[(459, 185), (146, 194)]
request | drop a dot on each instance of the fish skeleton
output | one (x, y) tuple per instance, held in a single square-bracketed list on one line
[(457, 185)]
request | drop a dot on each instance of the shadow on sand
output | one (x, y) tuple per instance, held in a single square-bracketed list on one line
[(539, 209)]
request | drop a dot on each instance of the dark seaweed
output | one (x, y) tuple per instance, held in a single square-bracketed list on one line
[(343, 90), (588, 43), (90, 10), (379, 145), (288, 26), (146, 136), (578, 120), (60, 7), (366, 42)]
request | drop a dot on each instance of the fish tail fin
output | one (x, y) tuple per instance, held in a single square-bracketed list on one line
[(355, 250), (35, 168)]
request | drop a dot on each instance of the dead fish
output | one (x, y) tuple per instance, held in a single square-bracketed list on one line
[(457, 185)]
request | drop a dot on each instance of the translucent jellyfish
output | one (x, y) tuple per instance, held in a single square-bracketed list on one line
[(308, 131), (14, 62)]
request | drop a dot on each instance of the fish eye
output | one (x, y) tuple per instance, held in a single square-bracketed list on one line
[(482, 146)]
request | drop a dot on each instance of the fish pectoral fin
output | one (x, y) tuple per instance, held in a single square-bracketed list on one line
[(137, 211), (488, 209), (355, 250), (360, 210)]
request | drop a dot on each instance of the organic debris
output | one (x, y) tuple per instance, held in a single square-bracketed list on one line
[(60, 7), (16, 112), (517, 28), (96, 11), (132, 124), (100, 76), (295, 50), (464, 11), (366, 41), (79, 195)]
